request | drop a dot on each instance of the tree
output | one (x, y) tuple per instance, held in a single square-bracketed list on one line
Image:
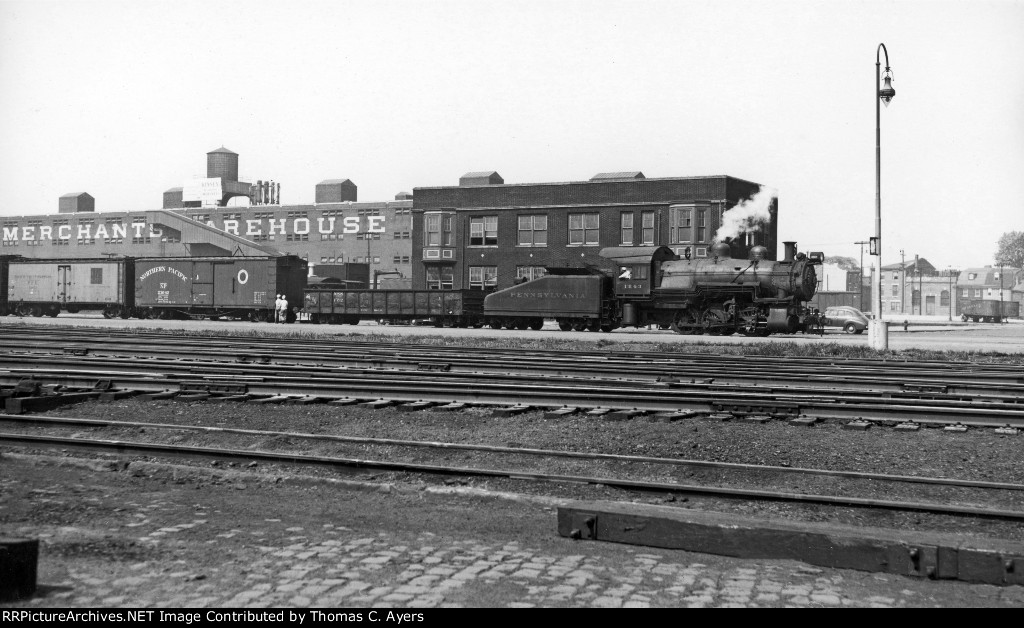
[(1010, 251), (844, 263)]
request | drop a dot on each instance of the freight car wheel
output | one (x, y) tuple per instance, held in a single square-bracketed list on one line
[(579, 326), (37, 310), (536, 324), (564, 325), (494, 323)]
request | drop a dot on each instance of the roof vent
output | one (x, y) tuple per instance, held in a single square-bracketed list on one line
[(617, 176), (481, 178)]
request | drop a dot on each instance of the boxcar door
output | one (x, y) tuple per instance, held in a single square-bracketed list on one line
[(202, 283), (232, 284), (63, 283)]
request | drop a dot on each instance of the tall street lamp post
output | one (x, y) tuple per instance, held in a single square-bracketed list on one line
[(879, 330), (861, 243)]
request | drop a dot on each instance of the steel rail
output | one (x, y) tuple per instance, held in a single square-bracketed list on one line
[(707, 385), (276, 342), (48, 421), (344, 386), (128, 447), (715, 376)]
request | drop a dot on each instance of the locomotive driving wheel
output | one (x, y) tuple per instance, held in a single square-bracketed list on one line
[(715, 322), (684, 322)]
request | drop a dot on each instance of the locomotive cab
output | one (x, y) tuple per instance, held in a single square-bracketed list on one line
[(638, 268)]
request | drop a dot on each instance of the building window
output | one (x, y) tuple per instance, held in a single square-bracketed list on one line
[(483, 231), (680, 224), (530, 272), (626, 228), (944, 298), (895, 290), (977, 292), (894, 306), (432, 230), (972, 276), (481, 277), (437, 230), (96, 276), (584, 228), (440, 277), (533, 231), (647, 225), (702, 225)]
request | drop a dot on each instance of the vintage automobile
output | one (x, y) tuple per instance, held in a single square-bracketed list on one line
[(850, 319)]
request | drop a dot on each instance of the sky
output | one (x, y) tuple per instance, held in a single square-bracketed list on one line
[(124, 99)]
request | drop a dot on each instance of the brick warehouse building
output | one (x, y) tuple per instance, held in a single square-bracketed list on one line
[(485, 233), (203, 218)]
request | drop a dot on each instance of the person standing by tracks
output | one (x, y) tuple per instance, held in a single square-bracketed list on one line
[(277, 309), (283, 309)]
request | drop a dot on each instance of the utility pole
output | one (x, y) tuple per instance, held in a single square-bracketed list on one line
[(903, 283), (1001, 317), (861, 243)]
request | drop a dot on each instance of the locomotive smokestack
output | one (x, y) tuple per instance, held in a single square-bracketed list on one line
[(790, 251)]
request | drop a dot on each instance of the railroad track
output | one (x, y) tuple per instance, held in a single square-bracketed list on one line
[(287, 370), (634, 474)]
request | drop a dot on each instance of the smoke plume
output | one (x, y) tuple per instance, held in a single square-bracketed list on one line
[(747, 216)]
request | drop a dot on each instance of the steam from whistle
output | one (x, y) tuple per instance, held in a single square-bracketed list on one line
[(747, 216)]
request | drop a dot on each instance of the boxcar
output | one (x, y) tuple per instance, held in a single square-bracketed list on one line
[(453, 308), (987, 310), (215, 287), (38, 287)]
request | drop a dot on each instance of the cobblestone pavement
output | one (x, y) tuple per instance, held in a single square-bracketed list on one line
[(124, 539)]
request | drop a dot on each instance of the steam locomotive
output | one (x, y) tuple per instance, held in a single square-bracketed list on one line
[(716, 295)]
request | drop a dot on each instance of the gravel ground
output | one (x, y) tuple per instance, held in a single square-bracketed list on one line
[(976, 455)]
